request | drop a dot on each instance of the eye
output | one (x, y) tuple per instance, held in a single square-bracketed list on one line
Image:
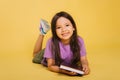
[(67, 25), (58, 27)]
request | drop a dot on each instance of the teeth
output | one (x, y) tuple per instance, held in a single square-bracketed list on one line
[(64, 34)]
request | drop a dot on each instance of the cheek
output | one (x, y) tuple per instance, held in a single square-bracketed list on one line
[(71, 29), (58, 32)]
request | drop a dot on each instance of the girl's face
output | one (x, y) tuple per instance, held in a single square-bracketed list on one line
[(64, 29)]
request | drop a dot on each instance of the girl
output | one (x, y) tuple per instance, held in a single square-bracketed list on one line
[(65, 46)]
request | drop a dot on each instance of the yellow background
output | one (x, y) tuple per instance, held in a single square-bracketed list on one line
[(98, 22)]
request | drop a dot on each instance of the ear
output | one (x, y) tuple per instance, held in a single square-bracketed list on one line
[(73, 29)]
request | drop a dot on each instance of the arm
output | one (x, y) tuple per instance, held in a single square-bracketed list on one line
[(85, 65), (38, 45), (55, 68), (43, 28)]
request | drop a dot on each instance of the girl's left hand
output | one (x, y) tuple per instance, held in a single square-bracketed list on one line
[(86, 69)]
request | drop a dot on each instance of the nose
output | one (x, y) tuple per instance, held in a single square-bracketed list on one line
[(63, 29)]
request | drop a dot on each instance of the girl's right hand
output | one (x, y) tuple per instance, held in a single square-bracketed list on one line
[(68, 72), (73, 73)]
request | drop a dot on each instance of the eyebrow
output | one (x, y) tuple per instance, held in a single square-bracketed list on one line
[(65, 24)]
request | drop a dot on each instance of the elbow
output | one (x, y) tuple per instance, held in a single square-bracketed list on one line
[(53, 68), (34, 54), (50, 68)]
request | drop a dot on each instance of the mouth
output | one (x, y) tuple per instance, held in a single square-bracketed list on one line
[(65, 34)]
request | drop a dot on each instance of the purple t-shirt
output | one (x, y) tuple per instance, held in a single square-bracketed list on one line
[(65, 51)]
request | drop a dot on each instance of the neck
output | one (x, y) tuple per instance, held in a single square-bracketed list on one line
[(65, 42)]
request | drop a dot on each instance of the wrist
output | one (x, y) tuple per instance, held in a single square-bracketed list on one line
[(41, 35), (60, 70)]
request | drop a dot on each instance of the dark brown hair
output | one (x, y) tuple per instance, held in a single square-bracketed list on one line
[(74, 45)]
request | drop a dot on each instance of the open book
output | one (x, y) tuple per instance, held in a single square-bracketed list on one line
[(71, 69)]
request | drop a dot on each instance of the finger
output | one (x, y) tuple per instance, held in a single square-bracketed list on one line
[(73, 73), (84, 69)]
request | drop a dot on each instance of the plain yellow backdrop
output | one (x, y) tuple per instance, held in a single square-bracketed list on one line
[(98, 22)]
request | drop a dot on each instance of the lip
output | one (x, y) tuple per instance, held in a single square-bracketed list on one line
[(65, 34)]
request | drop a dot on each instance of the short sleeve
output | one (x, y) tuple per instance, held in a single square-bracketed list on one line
[(82, 47), (48, 52)]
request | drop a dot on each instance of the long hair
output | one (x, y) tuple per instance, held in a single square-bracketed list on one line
[(74, 45)]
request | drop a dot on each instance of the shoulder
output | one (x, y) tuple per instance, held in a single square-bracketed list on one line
[(49, 40), (80, 38)]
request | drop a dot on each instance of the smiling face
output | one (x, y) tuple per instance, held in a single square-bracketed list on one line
[(64, 29)]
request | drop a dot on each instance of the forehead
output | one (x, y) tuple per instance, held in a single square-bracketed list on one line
[(63, 20)]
